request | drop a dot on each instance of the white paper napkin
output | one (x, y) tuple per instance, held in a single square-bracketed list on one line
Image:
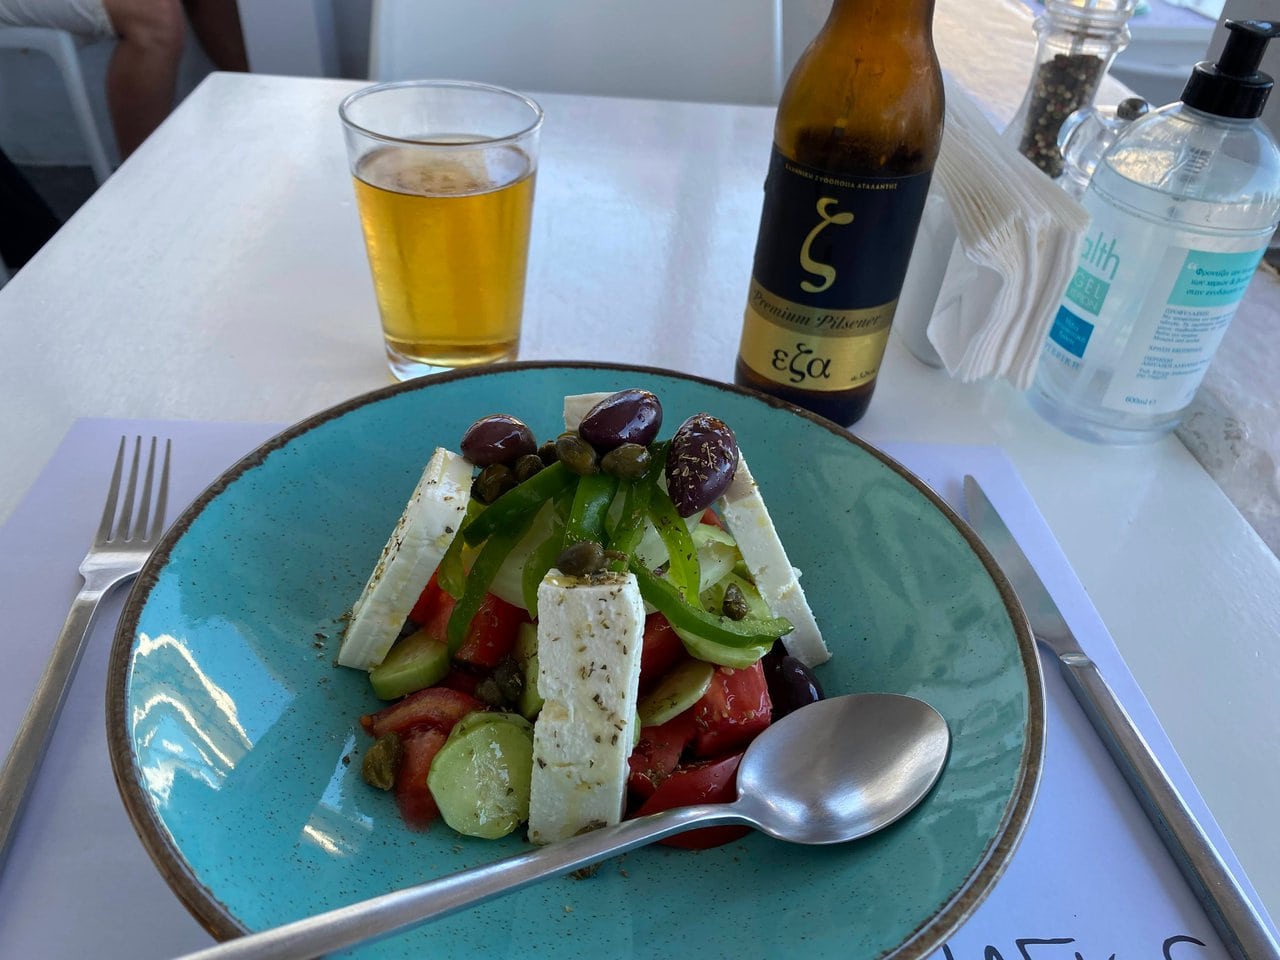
[(997, 245)]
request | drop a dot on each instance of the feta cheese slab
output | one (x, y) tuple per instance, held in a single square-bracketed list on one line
[(415, 548), (779, 583), (590, 634), (578, 405)]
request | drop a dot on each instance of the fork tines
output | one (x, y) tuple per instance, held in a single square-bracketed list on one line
[(145, 515)]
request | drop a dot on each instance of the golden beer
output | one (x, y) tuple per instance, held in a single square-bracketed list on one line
[(447, 233)]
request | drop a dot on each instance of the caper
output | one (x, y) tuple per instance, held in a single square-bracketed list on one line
[(488, 691), (629, 461), (527, 466), (497, 438), (492, 482), (734, 606), (576, 454), (382, 761), (509, 676), (581, 559), (547, 453)]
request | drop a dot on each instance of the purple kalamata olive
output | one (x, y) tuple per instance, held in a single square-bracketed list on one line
[(792, 685), (701, 461), (497, 438), (628, 416)]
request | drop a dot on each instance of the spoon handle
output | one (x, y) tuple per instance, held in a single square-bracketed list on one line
[(378, 916)]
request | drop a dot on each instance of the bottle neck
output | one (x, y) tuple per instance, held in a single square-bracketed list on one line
[(871, 17)]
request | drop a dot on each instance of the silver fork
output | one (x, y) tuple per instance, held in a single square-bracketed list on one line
[(118, 551)]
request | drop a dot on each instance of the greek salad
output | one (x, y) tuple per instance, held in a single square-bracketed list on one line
[(571, 633)]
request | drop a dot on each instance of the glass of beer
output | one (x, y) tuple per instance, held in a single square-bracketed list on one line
[(444, 173)]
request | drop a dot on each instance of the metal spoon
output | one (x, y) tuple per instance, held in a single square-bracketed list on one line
[(834, 771)]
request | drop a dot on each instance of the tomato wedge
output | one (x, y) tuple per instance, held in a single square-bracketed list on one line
[(662, 650), (657, 754), (733, 711), (491, 636), (438, 708), (711, 781), (413, 796)]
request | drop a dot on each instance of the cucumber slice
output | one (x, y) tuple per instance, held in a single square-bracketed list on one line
[(414, 663), (526, 654), (681, 687), (736, 657), (480, 778), (717, 554)]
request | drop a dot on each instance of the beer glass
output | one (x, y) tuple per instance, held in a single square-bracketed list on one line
[(444, 174)]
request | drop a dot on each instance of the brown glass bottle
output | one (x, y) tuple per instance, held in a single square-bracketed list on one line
[(856, 136)]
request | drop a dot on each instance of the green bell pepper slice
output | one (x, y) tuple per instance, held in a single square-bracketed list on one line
[(492, 555), (451, 576), (682, 555), (517, 506), (591, 500), (671, 602)]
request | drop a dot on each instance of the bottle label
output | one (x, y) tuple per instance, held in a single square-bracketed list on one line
[(1179, 307), (1166, 357), (830, 260)]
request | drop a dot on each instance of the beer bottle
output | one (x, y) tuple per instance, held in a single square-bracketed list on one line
[(855, 139)]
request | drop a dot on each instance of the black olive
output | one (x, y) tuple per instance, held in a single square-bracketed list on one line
[(628, 416), (492, 482), (792, 685), (497, 438), (701, 462), (577, 455), (629, 461), (581, 559)]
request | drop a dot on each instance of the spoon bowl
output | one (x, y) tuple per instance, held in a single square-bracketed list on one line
[(833, 771), (842, 768)]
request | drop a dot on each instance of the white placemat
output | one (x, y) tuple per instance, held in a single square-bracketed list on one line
[(1090, 880)]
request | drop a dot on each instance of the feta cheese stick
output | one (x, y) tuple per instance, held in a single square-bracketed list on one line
[(748, 520), (415, 548), (590, 633)]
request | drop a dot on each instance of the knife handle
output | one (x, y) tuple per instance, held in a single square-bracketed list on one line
[(1243, 930)]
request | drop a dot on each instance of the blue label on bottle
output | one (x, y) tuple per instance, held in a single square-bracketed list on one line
[(1070, 332), (1213, 279)]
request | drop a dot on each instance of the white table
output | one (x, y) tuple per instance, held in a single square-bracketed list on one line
[(220, 275)]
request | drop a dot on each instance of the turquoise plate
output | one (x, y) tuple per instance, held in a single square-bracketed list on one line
[(236, 746)]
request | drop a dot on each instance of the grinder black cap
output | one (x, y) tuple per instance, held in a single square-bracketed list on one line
[(1234, 86)]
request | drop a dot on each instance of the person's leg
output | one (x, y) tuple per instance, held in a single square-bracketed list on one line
[(143, 72), (217, 26)]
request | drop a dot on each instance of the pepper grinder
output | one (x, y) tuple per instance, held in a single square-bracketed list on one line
[(1076, 44)]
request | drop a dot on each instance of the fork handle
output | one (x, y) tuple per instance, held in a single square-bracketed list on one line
[(28, 750)]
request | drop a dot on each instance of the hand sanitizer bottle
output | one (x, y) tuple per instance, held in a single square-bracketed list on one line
[(1183, 204)]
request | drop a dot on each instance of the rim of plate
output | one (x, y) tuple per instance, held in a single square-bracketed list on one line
[(219, 921)]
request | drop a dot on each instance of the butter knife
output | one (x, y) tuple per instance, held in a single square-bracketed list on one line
[(1243, 930)]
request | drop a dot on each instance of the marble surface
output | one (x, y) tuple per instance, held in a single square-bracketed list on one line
[(1233, 426)]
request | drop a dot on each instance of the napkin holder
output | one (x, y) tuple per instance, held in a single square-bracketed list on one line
[(996, 247)]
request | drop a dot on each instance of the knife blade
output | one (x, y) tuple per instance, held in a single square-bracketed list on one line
[(1240, 925)]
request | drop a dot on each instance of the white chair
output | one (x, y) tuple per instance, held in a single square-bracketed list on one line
[(728, 51), (60, 46)]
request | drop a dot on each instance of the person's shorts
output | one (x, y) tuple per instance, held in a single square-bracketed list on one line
[(84, 18)]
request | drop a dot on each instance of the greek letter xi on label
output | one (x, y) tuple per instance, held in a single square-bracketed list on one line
[(823, 270)]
